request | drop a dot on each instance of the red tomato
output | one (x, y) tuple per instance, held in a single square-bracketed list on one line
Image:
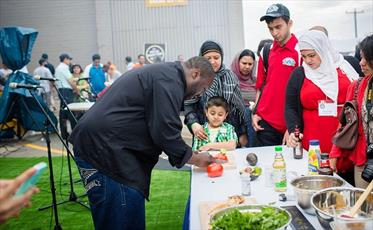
[(214, 170), (221, 156)]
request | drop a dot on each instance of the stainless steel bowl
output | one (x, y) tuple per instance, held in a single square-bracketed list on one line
[(306, 186), (331, 202), (250, 208)]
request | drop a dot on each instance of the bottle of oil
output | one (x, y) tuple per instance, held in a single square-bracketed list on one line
[(279, 170), (313, 157), (297, 150)]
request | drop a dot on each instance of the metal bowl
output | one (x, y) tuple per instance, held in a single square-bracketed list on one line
[(331, 202), (306, 186), (250, 208)]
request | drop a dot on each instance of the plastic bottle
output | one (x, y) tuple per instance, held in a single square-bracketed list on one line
[(313, 157), (279, 170), (297, 150)]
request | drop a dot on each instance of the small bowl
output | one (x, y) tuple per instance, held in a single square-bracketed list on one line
[(342, 199), (306, 186)]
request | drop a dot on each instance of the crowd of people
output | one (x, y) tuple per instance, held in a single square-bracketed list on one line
[(291, 82)]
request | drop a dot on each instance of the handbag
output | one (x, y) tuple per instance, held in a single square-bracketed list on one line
[(347, 134)]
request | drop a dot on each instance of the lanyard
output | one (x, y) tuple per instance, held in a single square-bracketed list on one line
[(369, 105)]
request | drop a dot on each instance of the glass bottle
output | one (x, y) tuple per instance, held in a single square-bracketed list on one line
[(297, 150), (279, 170), (324, 165)]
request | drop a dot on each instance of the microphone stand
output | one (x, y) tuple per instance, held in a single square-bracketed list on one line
[(49, 122), (72, 196)]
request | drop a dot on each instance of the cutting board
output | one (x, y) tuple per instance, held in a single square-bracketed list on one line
[(208, 208), (230, 164)]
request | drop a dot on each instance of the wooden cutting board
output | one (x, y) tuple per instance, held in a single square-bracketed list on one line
[(230, 164), (209, 208)]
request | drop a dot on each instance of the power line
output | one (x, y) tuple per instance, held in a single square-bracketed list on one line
[(355, 12)]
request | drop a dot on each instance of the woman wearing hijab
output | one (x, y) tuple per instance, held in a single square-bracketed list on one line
[(225, 84), (316, 92), (361, 155), (243, 67)]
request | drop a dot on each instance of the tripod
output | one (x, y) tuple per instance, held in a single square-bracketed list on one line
[(72, 195)]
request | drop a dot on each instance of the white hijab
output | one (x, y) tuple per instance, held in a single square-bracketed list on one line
[(325, 76), (345, 66)]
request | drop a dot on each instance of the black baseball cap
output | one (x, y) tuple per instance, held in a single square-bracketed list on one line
[(65, 55), (276, 11)]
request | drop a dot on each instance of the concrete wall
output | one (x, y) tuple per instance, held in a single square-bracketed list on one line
[(63, 26)]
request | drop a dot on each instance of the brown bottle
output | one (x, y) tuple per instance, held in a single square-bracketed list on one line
[(297, 150)]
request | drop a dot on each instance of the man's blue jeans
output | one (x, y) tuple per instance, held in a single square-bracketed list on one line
[(113, 205)]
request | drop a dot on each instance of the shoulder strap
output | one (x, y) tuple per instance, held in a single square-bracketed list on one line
[(356, 89), (369, 105), (266, 50)]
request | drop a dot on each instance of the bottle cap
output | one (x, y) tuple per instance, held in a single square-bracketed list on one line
[(278, 148), (314, 142)]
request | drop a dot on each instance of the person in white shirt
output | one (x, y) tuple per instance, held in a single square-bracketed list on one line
[(129, 63), (44, 72), (67, 87)]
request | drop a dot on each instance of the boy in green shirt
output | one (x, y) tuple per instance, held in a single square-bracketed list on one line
[(221, 135)]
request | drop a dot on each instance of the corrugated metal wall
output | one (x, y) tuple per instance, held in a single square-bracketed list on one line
[(117, 29), (182, 28)]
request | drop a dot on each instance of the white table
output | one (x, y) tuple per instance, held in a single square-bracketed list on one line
[(205, 189), (80, 106)]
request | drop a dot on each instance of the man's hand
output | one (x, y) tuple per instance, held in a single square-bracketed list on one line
[(199, 132), (255, 122), (201, 159), (292, 141), (243, 140), (9, 205)]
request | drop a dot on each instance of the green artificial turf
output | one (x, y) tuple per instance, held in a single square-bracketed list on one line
[(168, 196)]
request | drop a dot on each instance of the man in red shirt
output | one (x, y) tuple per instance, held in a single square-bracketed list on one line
[(268, 117)]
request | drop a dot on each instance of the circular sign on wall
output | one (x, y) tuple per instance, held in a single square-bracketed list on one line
[(155, 53)]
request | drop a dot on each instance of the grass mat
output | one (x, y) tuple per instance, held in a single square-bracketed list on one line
[(168, 196)]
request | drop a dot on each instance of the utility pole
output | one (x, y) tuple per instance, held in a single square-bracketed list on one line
[(355, 12)]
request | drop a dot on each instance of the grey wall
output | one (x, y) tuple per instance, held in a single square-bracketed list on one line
[(182, 28), (63, 26), (117, 29)]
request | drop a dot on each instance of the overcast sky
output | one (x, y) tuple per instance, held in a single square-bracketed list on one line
[(307, 13)]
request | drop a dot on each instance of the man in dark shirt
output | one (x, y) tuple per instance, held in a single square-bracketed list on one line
[(118, 141)]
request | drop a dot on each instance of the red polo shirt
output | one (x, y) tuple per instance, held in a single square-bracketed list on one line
[(281, 62)]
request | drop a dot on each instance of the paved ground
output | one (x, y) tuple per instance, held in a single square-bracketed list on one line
[(33, 145)]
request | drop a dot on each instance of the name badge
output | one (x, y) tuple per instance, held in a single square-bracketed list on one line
[(327, 108)]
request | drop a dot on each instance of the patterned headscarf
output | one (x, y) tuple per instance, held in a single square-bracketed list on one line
[(225, 83)]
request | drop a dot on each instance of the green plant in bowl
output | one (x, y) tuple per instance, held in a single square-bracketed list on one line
[(251, 217)]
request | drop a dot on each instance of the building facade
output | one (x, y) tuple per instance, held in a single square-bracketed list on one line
[(117, 29)]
